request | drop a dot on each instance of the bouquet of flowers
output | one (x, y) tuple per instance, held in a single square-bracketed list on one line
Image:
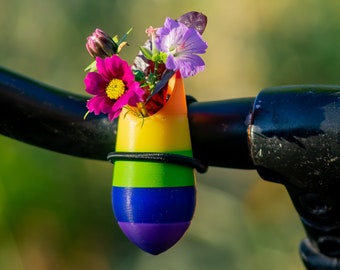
[(175, 47), (153, 191)]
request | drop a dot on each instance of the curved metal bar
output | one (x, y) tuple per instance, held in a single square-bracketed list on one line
[(41, 115), (50, 118), (219, 132)]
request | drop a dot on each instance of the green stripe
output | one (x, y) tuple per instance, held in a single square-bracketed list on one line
[(152, 174)]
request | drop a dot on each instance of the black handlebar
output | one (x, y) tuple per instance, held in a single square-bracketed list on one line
[(53, 119), (295, 141), (291, 135)]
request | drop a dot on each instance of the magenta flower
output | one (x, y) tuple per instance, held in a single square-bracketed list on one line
[(113, 87), (181, 44)]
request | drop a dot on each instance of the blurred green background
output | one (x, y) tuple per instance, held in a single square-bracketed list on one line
[(55, 210)]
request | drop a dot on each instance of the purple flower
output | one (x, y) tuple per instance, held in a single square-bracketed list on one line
[(181, 44), (113, 87)]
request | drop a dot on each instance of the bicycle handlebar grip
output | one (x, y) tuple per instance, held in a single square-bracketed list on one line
[(41, 115), (294, 138)]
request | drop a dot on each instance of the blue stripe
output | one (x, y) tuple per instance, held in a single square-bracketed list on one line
[(154, 205)]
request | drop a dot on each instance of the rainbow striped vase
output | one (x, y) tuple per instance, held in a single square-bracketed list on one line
[(154, 202)]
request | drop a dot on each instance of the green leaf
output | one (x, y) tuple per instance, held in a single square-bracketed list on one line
[(146, 52), (115, 39), (139, 75), (164, 80), (91, 67), (124, 37), (159, 57)]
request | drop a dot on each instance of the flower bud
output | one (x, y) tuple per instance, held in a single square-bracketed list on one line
[(100, 44), (193, 19)]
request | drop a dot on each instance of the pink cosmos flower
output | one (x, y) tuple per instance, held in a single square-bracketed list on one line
[(181, 44), (113, 87)]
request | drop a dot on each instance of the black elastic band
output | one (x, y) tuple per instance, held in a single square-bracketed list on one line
[(158, 157)]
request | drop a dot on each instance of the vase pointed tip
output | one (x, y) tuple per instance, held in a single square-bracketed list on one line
[(154, 238)]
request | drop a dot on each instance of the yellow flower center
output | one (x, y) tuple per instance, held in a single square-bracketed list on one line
[(115, 89)]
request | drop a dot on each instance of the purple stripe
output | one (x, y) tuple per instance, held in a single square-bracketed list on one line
[(154, 238)]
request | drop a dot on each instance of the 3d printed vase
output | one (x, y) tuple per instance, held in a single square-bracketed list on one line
[(154, 201)]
